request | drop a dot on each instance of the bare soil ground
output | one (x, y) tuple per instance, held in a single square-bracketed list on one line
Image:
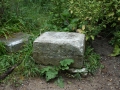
[(106, 79)]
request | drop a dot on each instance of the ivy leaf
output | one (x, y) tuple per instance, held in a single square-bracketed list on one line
[(65, 68), (60, 82), (44, 70), (65, 63)]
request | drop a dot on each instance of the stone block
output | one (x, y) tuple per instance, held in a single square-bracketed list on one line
[(15, 42), (52, 47)]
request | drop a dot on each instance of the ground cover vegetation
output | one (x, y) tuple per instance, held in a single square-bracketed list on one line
[(94, 18)]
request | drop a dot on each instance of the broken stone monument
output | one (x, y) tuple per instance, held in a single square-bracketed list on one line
[(15, 42), (52, 47)]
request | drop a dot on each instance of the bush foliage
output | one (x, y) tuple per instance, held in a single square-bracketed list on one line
[(91, 17)]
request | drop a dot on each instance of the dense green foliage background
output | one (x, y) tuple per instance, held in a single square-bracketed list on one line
[(87, 16)]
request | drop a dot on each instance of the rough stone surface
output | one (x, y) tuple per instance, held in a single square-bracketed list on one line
[(52, 47), (15, 42)]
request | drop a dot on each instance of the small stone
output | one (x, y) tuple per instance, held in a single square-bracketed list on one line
[(83, 70), (15, 41)]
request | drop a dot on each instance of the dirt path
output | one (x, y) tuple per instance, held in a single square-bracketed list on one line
[(105, 79)]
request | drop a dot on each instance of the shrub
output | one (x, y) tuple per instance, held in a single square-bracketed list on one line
[(91, 17)]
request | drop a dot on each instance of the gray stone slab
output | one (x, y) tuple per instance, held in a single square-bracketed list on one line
[(15, 42), (52, 47)]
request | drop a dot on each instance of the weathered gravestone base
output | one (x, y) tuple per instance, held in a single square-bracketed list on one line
[(52, 47), (15, 41)]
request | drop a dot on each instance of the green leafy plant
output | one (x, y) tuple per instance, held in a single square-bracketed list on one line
[(65, 64), (49, 72), (52, 72)]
